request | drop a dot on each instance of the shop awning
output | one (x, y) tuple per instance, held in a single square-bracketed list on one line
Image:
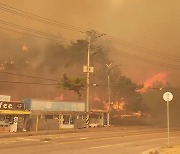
[(14, 112)]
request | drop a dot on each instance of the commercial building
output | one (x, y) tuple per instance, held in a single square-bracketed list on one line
[(35, 114), (53, 115)]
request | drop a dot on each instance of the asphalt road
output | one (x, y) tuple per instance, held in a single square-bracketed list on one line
[(126, 140)]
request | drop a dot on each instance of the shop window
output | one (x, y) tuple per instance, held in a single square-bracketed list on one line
[(72, 119), (82, 117), (56, 117), (49, 116), (66, 119)]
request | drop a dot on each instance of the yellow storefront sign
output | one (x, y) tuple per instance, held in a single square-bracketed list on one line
[(14, 112)]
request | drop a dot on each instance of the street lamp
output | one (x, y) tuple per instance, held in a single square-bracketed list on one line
[(109, 89)]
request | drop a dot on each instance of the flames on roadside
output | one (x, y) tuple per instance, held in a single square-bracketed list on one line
[(121, 111), (148, 83)]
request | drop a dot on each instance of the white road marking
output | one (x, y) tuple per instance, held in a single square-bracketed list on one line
[(109, 145), (27, 139), (83, 138)]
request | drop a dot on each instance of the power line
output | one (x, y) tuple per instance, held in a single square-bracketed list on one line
[(31, 30), (142, 49), (39, 18), (146, 60), (34, 83), (29, 76), (119, 85), (32, 35)]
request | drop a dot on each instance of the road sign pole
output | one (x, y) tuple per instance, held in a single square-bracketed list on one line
[(168, 121), (168, 97)]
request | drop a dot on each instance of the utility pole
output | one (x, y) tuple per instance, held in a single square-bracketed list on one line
[(88, 72), (87, 69), (109, 94)]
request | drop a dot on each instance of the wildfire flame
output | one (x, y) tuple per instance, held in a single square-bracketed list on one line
[(59, 98), (25, 48), (160, 77), (118, 105)]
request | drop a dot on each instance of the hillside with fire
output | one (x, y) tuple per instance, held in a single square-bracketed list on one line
[(33, 72)]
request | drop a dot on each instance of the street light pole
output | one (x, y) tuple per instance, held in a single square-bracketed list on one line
[(109, 91)]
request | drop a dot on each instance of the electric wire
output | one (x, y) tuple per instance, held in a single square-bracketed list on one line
[(55, 40), (138, 88), (143, 49), (34, 83), (32, 30), (39, 18), (52, 84), (146, 60), (29, 76)]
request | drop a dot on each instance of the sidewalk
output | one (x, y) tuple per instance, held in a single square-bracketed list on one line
[(49, 132), (175, 149)]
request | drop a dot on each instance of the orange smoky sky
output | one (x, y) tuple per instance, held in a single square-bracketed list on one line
[(151, 24)]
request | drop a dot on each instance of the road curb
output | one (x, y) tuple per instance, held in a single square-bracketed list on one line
[(65, 131)]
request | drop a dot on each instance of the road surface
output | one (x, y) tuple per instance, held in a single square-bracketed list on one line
[(118, 140)]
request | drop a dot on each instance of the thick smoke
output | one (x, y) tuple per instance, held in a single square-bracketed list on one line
[(30, 56)]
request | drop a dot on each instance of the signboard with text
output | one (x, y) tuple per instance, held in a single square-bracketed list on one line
[(11, 106)]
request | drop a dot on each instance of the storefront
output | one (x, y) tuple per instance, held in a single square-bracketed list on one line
[(98, 118), (53, 115), (12, 113)]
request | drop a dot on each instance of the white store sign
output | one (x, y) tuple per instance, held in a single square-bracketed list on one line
[(5, 98)]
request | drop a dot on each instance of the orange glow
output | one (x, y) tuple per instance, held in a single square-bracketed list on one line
[(60, 98), (25, 48), (106, 106), (118, 105), (137, 114), (160, 77), (133, 114), (2, 67), (96, 98)]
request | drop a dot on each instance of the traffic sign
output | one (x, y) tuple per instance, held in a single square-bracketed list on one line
[(168, 96)]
